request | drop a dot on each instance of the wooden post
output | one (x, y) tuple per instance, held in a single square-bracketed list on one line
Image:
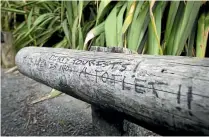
[(7, 50), (166, 94), (105, 122)]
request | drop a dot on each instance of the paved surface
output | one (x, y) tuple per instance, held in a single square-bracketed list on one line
[(61, 116)]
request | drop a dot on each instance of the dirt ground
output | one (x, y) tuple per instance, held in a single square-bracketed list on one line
[(60, 116)]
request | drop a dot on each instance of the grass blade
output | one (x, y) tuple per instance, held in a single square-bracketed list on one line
[(138, 27), (185, 28), (202, 35), (74, 8), (102, 10), (13, 10), (129, 17), (80, 38), (80, 8), (74, 33), (69, 13), (171, 16), (66, 31), (93, 33), (120, 25), (29, 21), (154, 29), (169, 44), (111, 28)]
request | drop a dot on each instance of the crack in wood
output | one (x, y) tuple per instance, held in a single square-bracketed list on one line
[(179, 94), (137, 65), (189, 97)]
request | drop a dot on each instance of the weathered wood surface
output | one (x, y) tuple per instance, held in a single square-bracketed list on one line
[(7, 50), (166, 94)]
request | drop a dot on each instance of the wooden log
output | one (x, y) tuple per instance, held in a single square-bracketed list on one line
[(166, 94)]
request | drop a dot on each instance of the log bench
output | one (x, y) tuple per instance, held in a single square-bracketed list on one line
[(165, 94)]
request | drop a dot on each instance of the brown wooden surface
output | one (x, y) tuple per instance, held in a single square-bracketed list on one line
[(166, 94)]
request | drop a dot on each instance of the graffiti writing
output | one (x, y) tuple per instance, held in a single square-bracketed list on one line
[(60, 59), (110, 72)]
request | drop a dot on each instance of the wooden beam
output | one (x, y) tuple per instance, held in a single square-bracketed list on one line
[(166, 94)]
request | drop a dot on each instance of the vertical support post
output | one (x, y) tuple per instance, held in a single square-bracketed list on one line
[(7, 50), (109, 122)]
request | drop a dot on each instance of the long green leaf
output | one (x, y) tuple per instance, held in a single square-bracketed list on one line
[(111, 28), (191, 41), (66, 31), (120, 25), (138, 27), (129, 17), (185, 28), (81, 43), (154, 30), (171, 17), (80, 5), (75, 8), (40, 22), (202, 35), (29, 21), (169, 44), (93, 33), (102, 10), (7, 9), (74, 33), (69, 13)]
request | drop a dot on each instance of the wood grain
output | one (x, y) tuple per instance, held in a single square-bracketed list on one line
[(166, 94)]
